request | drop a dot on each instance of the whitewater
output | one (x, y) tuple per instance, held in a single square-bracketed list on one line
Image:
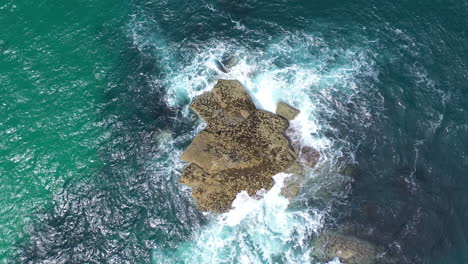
[(269, 228)]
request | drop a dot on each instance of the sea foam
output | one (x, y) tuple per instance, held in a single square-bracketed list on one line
[(264, 229)]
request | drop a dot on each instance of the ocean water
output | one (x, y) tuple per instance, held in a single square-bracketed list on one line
[(94, 114)]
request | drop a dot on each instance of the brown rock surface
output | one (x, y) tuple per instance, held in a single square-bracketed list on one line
[(242, 148), (286, 111), (233, 97), (309, 155)]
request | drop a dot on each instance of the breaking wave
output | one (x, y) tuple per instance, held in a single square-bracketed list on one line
[(271, 229)]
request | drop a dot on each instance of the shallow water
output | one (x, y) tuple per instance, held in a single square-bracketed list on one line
[(94, 114)]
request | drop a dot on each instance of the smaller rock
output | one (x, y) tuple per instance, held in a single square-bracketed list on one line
[(292, 184), (296, 169), (226, 63), (291, 190), (286, 111), (352, 170), (309, 156), (349, 249), (229, 61), (162, 137)]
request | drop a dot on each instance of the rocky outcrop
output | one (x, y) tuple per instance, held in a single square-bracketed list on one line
[(241, 148)]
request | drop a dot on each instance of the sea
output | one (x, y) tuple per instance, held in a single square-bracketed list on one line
[(94, 114)]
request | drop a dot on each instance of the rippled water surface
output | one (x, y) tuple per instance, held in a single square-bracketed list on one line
[(94, 114)]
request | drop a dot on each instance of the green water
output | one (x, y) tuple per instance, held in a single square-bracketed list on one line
[(55, 63)]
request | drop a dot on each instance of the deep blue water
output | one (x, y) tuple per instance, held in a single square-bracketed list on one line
[(383, 92)]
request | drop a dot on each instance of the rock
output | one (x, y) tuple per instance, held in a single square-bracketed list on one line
[(352, 170), (242, 148), (296, 169), (226, 63), (292, 184), (162, 137), (221, 67), (233, 97), (206, 107), (349, 249), (291, 190), (286, 111), (229, 61), (309, 155)]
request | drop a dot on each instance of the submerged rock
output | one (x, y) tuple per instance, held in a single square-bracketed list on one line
[(229, 60), (242, 148), (349, 249), (309, 155), (226, 63), (293, 184)]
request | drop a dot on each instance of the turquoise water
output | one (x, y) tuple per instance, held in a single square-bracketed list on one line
[(94, 113)]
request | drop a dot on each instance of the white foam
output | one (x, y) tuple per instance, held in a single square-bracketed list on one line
[(256, 230), (262, 230), (335, 261), (308, 85)]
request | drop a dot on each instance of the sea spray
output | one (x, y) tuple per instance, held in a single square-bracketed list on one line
[(317, 82), (265, 230), (258, 229)]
